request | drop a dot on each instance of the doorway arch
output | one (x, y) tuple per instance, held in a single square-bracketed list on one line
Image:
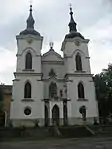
[(55, 115)]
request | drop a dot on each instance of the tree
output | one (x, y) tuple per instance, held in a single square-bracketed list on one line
[(103, 86)]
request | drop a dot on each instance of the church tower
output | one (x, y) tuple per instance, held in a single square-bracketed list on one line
[(80, 85), (27, 94)]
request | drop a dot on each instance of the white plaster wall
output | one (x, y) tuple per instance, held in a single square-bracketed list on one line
[(91, 104), (36, 62), (69, 109), (60, 86), (58, 68), (34, 47), (70, 49), (50, 60), (22, 43), (17, 106), (70, 46), (71, 63), (52, 56), (70, 52)]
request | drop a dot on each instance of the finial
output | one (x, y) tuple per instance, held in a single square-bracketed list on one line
[(51, 44), (71, 12), (30, 20), (30, 5), (72, 24), (70, 7)]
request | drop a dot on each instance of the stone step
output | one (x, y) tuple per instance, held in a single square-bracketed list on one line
[(80, 131)]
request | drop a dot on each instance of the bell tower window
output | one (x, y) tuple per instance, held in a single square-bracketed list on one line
[(27, 90), (28, 62), (81, 90), (78, 62)]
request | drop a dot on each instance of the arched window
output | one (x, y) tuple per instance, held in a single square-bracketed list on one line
[(52, 90), (81, 90), (78, 62), (27, 90), (28, 63)]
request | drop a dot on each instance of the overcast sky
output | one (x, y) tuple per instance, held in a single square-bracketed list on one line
[(94, 21)]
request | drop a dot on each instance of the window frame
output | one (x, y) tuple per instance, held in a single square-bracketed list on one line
[(28, 61), (27, 90)]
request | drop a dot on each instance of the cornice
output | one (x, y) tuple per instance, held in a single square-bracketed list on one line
[(27, 74), (37, 55), (87, 57), (53, 62), (27, 100), (78, 75), (29, 36), (58, 99), (16, 80), (53, 78)]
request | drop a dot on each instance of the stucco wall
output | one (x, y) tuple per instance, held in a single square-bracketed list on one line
[(34, 48), (19, 103)]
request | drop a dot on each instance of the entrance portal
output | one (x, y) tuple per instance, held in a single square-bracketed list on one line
[(55, 115)]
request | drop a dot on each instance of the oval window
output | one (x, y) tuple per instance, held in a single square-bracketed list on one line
[(27, 111)]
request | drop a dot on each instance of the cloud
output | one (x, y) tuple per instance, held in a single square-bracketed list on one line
[(100, 46), (94, 19), (7, 65)]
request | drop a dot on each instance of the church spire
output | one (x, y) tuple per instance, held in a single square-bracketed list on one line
[(30, 25), (30, 20), (72, 24), (72, 27)]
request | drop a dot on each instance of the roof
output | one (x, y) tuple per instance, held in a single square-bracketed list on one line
[(29, 31), (7, 89), (73, 35), (51, 55)]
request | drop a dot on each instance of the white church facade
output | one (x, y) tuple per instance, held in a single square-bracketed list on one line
[(50, 88)]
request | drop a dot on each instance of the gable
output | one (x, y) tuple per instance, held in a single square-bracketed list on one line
[(51, 55)]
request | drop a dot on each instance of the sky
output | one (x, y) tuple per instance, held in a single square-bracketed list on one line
[(94, 22)]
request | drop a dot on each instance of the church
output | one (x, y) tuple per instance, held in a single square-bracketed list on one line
[(49, 88)]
